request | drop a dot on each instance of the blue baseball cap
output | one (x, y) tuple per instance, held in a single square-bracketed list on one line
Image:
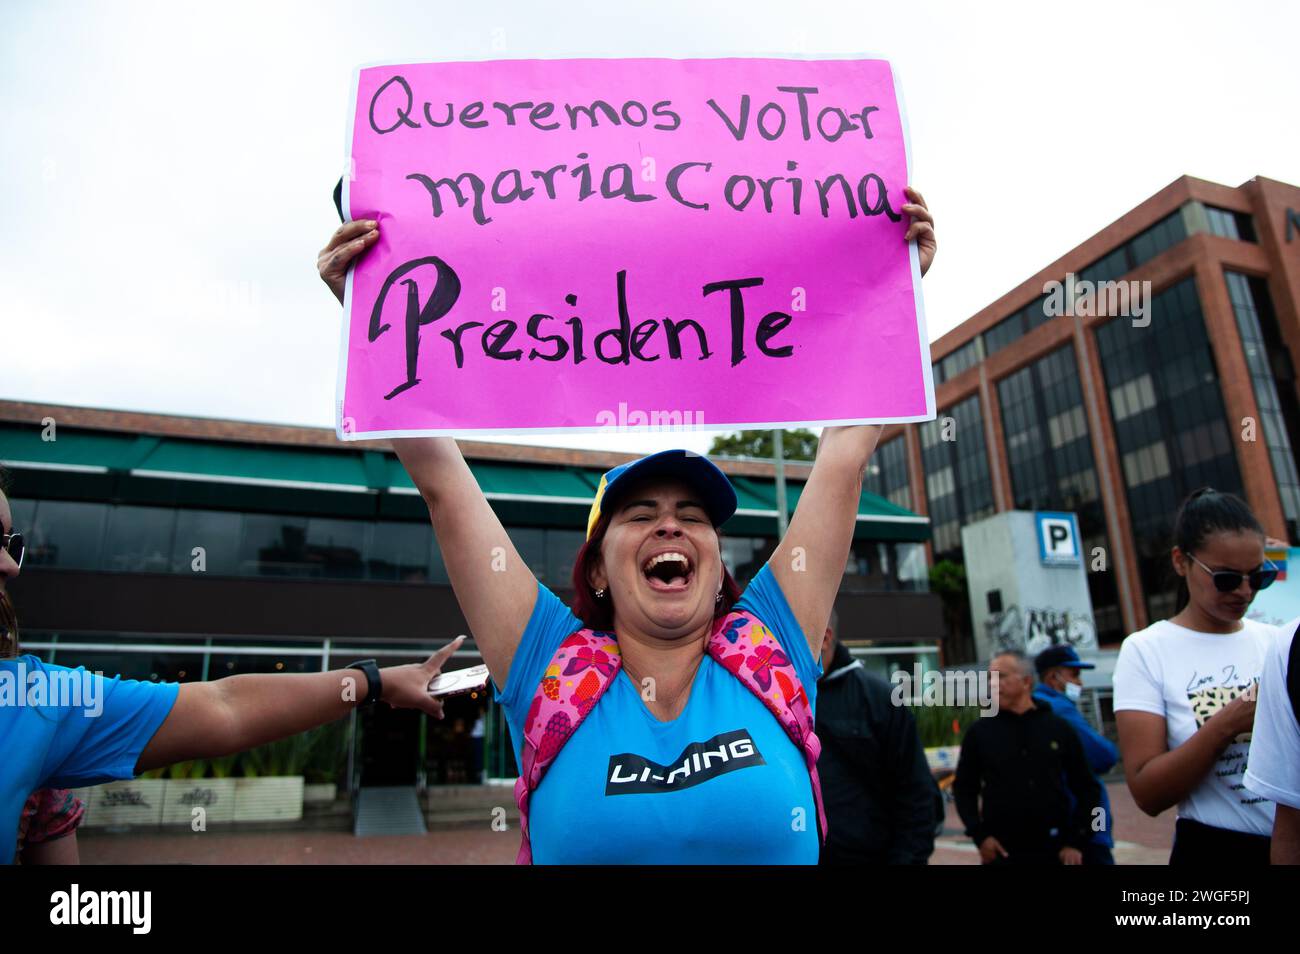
[(1054, 656), (716, 492)]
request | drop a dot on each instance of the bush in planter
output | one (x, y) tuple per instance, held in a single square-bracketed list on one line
[(225, 766), (327, 759), (196, 769), (279, 758), (944, 725)]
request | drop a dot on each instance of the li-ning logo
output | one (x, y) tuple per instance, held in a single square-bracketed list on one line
[(700, 761)]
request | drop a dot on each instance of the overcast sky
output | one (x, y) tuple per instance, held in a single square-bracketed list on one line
[(168, 166)]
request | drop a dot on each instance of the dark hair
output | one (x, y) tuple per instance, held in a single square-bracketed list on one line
[(5, 480), (599, 613), (1204, 512), (8, 628)]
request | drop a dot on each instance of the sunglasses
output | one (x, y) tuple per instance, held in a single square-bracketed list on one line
[(1225, 581), (15, 546)]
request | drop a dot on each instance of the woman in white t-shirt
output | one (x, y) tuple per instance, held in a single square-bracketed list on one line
[(1185, 688)]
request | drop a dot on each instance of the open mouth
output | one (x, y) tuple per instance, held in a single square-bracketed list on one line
[(668, 572)]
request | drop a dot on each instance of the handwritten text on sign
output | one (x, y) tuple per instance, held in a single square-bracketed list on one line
[(562, 238)]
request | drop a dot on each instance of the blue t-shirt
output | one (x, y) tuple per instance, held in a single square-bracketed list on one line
[(68, 728), (725, 784)]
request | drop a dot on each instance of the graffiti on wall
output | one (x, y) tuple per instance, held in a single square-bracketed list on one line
[(1033, 629)]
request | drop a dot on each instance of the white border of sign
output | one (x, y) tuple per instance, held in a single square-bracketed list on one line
[(913, 255)]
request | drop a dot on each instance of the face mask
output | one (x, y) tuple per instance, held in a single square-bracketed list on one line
[(1073, 691)]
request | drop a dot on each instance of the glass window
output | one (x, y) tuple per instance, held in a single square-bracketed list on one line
[(958, 485), (1171, 427), (139, 539), (531, 544), (399, 551), (1165, 234), (68, 535), (1253, 309), (274, 546), (23, 513), (1108, 268), (1057, 473), (216, 532), (232, 664), (1004, 332), (745, 556), (1036, 312), (145, 666), (887, 474), (967, 356), (1229, 224), (940, 483), (561, 548), (333, 548), (913, 574), (867, 568)]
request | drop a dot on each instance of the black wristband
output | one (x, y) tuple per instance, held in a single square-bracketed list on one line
[(374, 683)]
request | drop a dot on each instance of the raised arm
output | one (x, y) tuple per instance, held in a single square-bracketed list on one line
[(495, 588), (809, 562)]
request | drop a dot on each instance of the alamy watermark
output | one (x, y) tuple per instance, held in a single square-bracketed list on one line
[(1086, 299), (62, 688), (934, 688), (129, 908), (625, 419)]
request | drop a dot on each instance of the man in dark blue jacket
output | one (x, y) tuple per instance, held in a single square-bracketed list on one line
[(1060, 687)]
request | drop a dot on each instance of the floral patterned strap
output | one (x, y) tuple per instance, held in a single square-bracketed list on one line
[(749, 650), (584, 666), (47, 815)]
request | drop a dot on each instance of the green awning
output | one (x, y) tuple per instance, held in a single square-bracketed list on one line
[(755, 497), (290, 467), (537, 484), (22, 445), (878, 519), (175, 458), (521, 491)]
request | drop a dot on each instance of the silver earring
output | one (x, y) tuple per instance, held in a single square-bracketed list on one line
[(600, 593), (718, 598)]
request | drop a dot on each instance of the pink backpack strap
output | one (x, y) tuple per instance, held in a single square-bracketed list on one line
[(583, 667), (747, 649)]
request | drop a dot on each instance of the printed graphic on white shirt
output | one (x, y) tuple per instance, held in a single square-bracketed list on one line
[(1208, 701)]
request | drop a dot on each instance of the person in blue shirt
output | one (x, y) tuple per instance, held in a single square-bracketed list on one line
[(68, 728), (645, 778), (1060, 687)]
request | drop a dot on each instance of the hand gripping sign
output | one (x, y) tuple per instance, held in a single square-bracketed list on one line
[(715, 239)]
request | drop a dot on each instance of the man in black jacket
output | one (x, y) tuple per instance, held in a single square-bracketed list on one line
[(1013, 773), (879, 795)]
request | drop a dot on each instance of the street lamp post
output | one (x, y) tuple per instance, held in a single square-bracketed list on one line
[(778, 453)]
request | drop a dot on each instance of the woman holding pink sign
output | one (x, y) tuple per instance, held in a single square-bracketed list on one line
[(667, 717)]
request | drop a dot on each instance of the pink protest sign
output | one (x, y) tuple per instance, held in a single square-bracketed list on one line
[(580, 244)]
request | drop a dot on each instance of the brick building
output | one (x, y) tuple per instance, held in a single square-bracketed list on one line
[(1116, 415)]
